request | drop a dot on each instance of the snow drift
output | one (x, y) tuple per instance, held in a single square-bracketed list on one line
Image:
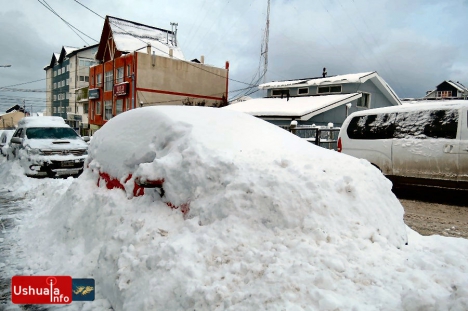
[(273, 223)]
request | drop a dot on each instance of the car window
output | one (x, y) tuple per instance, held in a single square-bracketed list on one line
[(412, 124), (427, 124), (18, 132), (51, 133), (377, 126)]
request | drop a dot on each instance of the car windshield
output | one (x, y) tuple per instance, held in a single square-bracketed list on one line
[(51, 133)]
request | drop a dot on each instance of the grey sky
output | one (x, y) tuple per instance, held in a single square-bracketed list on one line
[(413, 44)]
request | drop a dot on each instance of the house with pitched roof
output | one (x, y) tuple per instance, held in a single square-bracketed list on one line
[(67, 74), (448, 89), (319, 101), (141, 65)]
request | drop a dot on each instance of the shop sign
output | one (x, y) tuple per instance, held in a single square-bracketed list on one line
[(93, 94), (121, 89)]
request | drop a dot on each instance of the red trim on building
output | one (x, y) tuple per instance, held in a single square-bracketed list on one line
[(227, 79), (178, 94)]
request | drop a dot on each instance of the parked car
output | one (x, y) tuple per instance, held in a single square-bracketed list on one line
[(421, 144), (47, 146), (5, 137)]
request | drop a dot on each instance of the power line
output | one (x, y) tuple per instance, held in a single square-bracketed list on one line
[(146, 43), (48, 7)]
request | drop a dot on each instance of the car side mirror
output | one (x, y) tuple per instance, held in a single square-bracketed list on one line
[(86, 138), (16, 140)]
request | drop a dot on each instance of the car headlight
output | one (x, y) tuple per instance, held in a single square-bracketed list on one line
[(34, 151)]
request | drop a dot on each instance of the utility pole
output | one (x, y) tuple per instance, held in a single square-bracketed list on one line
[(265, 44), (24, 107)]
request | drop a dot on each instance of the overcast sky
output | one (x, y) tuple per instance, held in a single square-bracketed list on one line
[(413, 44)]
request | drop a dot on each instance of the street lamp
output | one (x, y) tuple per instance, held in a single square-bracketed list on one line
[(5, 65)]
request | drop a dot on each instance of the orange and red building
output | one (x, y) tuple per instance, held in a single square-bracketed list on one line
[(140, 65)]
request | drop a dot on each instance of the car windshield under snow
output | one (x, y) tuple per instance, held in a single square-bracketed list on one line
[(51, 133)]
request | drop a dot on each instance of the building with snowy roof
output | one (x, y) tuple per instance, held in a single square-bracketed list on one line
[(67, 75), (141, 65), (448, 89), (319, 101)]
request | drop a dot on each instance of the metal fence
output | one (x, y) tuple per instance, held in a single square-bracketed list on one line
[(326, 137)]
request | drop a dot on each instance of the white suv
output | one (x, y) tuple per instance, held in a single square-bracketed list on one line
[(47, 146)]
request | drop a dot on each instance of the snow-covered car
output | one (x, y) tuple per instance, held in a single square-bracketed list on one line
[(197, 158), (47, 146), (424, 144), (5, 137)]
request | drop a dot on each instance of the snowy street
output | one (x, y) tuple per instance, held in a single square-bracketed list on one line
[(239, 225)]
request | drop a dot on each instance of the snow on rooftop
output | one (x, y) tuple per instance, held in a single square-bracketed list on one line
[(294, 107), (420, 105), (69, 49), (275, 223), (347, 78), (458, 86), (130, 36)]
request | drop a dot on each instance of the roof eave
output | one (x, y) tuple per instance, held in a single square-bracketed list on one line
[(343, 101)]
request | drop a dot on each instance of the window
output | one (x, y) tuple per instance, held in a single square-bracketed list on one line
[(108, 82), (129, 73), (444, 94), (107, 110), (82, 78), (55, 97), (98, 79), (329, 89), (68, 68), (98, 108), (91, 111), (276, 92), (55, 109), (55, 85), (85, 108), (128, 105), (120, 75), (67, 81), (118, 105), (55, 73), (413, 124), (364, 101), (303, 91), (86, 63), (86, 79)]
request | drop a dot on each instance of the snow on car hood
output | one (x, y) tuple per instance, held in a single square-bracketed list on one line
[(225, 163), (56, 144)]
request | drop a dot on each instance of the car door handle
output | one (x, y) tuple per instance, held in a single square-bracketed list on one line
[(448, 148)]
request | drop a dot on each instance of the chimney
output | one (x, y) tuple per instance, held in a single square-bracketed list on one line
[(148, 49), (171, 53), (202, 59)]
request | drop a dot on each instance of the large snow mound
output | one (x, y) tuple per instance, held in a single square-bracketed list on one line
[(229, 164), (274, 224)]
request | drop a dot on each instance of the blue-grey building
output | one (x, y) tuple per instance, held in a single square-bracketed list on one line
[(319, 101), (67, 81)]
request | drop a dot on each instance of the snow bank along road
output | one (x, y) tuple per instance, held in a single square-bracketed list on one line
[(296, 228)]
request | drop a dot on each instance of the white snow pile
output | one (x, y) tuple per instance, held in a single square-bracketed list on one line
[(264, 221)]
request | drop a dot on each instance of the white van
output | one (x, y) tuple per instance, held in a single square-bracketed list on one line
[(421, 144)]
